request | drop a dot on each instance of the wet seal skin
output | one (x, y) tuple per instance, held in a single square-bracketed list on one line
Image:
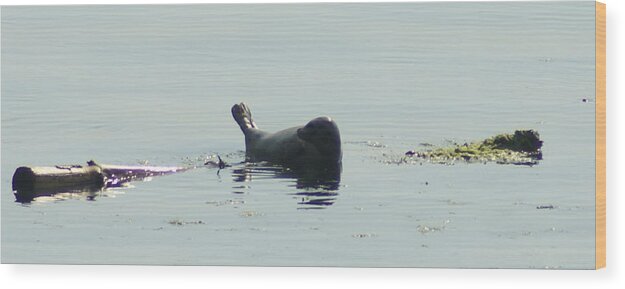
[(316, 144)]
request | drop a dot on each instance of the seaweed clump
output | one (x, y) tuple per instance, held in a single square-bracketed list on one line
[(523, 147)]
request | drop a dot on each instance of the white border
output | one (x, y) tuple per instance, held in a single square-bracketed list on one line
[(56, 2), (156, 277)]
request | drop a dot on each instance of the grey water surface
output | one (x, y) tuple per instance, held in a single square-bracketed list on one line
[(154, 84)]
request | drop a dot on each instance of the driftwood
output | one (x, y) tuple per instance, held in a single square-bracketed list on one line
[(31, 182), (57, 177)]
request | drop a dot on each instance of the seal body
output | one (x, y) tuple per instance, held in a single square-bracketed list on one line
[(318, 143)]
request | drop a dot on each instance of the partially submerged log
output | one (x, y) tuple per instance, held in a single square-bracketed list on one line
[(57, 177), (31, 182)]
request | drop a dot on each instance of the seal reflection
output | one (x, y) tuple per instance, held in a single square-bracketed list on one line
[(316, 187)]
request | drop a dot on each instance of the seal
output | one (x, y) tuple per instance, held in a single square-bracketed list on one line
[(318, 143)]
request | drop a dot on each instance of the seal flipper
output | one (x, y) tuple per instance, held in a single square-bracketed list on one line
[(243, 117)]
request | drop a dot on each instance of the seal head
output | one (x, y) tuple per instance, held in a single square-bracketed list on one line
[(323, 134)]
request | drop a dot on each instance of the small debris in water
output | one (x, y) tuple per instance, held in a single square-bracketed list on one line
[(375, 144), (226, 202), (250, 214), (453, 203), (218, 164), (181, 222), (423, 229), (363, 235), (222, 164), (226, 229)]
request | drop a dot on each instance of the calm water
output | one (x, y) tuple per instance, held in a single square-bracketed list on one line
[(136, 84)]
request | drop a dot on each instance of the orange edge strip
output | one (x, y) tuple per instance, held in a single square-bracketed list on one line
[(600, 135)]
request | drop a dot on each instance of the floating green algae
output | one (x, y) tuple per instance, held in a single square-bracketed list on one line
[(521, 148)]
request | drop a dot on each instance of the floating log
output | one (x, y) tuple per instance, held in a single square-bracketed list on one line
[(56, 178), (30, 182)]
